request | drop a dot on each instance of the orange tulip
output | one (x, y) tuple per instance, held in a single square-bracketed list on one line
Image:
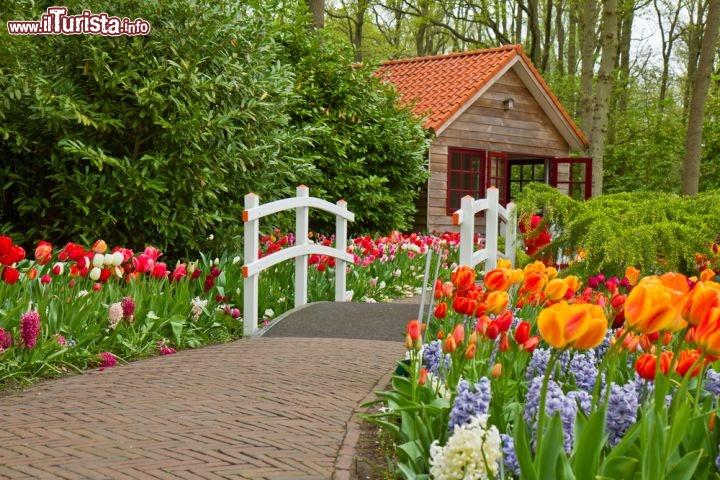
[(470, 351), (43, 252), (556, 289), (573, 283), (653, 307), (702, 297), (687, 359), (707, 275), (580, 326), (459, 333), (676, 281), (646, 364), (707, 333), (497, 279), (632, 274), (535, 267), (449, 346), (423, 376), (496, 302), (463, 277), (534, 282), (496, 370), (99, 246)]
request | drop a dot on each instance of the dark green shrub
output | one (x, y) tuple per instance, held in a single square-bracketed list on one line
[(653, 231), (146, 139), (371, 151)]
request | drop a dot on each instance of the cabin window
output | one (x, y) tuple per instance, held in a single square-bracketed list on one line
[(523, 172), (466, 176)]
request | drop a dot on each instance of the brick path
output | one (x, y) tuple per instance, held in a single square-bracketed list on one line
[(260, 408)]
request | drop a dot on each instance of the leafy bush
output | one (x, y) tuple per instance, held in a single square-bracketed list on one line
[(150, 138), (651, 230), (370, 149)]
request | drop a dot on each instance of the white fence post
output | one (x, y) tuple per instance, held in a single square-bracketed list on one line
[(340, 244), (301, 240), (467, 230), (491, 228), (465, 217), (250, 282), (301, 203), (511, 233)]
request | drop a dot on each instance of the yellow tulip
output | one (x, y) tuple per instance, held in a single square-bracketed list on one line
[(556, 289), (580, 326), (652, 306)]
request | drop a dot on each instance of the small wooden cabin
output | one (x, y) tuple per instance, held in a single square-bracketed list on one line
[(496, 123)]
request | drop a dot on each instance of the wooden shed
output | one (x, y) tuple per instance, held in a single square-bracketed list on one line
[(496, 123)]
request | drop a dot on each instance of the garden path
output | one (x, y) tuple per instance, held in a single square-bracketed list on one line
[(276, 407)]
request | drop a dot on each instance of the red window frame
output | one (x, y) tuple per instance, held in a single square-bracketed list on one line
[(454, 170), (584, 184), (497, 174)]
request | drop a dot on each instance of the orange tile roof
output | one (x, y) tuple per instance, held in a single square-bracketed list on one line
[(442, 84)]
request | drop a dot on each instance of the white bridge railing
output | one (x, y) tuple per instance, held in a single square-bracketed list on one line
[(300, 251), (465, 217)]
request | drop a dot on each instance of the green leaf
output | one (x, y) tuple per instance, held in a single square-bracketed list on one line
[(685, 468), (590, 438)]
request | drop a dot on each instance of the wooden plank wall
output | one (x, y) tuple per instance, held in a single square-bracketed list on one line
[(487, 126)]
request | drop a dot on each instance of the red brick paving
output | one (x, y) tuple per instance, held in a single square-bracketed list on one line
[(260, 408)]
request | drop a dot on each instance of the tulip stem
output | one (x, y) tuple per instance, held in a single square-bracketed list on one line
[(541, 409)]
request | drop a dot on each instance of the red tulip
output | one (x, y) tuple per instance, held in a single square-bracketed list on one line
[(441, 310), (522, 332), (10, 275), (413, 330)]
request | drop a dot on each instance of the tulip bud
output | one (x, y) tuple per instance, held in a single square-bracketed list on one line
[(531, 344), (459, 333), (470, 351), (423, 376), (473, 339), (98, 260), (58, 269), (99, 246), (409, 343), (45, 279), (504, 345), (117, 259), (95, 274), (31, 273), (496, 370), (522, 332), (449, 346)]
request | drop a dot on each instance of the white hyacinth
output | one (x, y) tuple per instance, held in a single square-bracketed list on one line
[(473, 452)]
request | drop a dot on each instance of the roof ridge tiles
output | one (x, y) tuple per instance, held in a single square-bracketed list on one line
[(516, 47)]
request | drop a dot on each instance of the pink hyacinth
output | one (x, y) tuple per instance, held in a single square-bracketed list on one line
[(128, 307), (108, 360), (30, 328), (6, 339)]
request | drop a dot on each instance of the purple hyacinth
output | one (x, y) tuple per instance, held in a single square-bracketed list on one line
[(538, 363), (6, 339), (555, 402), (583, 368), (581, 398), (622, 411), (432, 357), (469, 403), (510, 460), (30, 328), (712, 382)]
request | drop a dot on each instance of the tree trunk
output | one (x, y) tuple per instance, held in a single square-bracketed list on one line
[(362, 6), (626, 17), (560, 34), (317, 7), (518, 23), (533, 13), (572, 38), (547, 36), (668, 40), (696, 114), (588, 38), (601, 109), (695, 36)]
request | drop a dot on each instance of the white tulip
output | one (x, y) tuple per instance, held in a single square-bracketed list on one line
[(95, 273), (98, 260)]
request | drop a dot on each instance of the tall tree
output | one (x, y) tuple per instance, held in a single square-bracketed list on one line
[(588, 42), (601, 108), (696, 114), (317, 8), (668, 34)]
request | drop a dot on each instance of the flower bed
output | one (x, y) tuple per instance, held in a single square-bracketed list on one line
[(529, 375), (82, 307)]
